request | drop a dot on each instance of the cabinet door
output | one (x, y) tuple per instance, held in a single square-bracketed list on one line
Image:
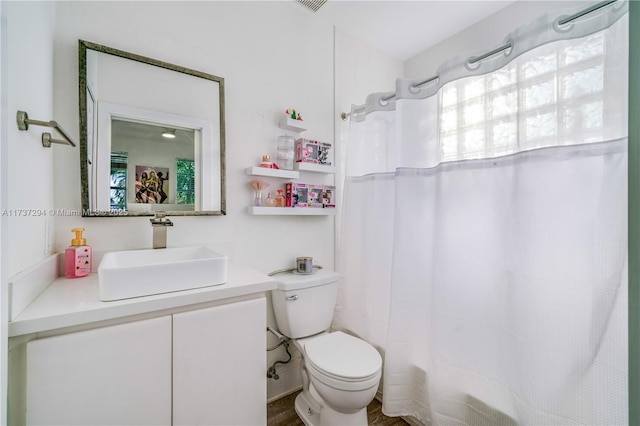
[(219, 365), (116, 375)]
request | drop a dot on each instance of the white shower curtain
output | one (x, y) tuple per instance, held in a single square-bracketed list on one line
[(484, 232)]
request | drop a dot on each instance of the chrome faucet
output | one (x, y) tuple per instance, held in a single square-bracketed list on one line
[(160, 222)]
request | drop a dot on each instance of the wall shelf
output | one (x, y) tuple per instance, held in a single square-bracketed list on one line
[(316, 168), (289, 174), (290, 124), (290, 211), (277, 173)]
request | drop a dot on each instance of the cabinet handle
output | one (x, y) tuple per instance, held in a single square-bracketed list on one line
[(294, 297)]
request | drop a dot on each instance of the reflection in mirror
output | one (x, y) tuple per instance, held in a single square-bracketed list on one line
[(152, 136), (151, 141), (152, 167)]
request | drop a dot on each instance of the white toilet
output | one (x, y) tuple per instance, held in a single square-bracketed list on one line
[(340, 372)]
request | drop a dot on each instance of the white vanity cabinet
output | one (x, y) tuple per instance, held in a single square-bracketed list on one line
[(191, 357), (113, 375), (196, 366), (219, 365)]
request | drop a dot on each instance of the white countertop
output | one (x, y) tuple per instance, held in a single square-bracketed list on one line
[(70, 302)]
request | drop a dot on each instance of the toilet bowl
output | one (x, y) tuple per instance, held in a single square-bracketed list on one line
[(344, 370), (340, 372)]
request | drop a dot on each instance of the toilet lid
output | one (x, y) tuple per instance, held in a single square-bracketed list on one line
[(341, 355)]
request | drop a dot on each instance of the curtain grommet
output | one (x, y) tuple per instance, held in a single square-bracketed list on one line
[(562, 28), (413, 89), (509, 50), (472, 66)]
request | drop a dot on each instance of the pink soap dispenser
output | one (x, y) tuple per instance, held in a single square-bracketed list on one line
[(78, 256)]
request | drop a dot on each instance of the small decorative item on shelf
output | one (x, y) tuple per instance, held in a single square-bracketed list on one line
[(267, 163), (258, 186), (292, 121), (280, 201), (285, 152), (293, 114), (328, 196), (315, 196), (270, 201), (312, 151), (297, 194), (304, 195)]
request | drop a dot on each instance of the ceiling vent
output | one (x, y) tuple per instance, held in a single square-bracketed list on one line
[(312, 5)]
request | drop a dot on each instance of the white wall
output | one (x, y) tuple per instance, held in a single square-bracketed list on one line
[(26, 182), (30, 172), (485, 35), (272, 55), (360, 70)]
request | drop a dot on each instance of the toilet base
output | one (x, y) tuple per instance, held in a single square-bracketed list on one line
[(305, 410), (326, 416)]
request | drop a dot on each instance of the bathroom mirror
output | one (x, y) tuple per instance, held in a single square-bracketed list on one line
[(152, 136)]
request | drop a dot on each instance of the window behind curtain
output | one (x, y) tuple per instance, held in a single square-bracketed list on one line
[(552, 95), (185, 176), (118, 193)]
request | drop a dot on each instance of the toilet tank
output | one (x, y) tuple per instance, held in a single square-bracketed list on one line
[(304, 304)]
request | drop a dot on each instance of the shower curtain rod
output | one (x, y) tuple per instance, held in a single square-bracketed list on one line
[(506, 46)]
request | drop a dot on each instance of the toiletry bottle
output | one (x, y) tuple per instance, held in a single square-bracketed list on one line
[(257, 201), (280, 201), (78, 256), (270, 201)]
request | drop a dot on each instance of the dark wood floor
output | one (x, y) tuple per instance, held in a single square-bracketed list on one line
[(282, 413)]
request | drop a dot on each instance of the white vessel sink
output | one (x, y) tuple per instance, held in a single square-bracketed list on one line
[(135, 273)]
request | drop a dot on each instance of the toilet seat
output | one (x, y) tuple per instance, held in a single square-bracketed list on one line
[(342, 384), (343, 361)]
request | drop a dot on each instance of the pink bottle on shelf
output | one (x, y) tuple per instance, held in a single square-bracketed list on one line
[(78, 256)]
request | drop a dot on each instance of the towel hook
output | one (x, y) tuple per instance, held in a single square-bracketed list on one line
[(23, 124)]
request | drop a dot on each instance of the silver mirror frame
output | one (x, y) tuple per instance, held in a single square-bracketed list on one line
[(83, 46)]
